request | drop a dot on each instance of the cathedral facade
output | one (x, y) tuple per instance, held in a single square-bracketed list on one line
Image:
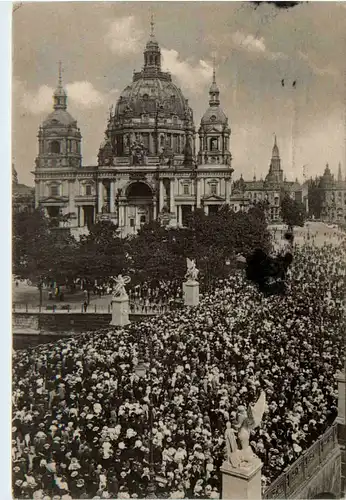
[(149, 167)]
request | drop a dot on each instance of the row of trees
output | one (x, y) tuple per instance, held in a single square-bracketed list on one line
[(42, 252)]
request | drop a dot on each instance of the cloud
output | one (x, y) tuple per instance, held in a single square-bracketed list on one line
[(327, 70), (249, 42), (80, 94), (84, 94), (252, 44), (124, 37), (37, 102), (192, 77)]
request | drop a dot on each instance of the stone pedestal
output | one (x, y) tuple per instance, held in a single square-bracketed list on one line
[(242, 483), (120, 311), (191, 293)]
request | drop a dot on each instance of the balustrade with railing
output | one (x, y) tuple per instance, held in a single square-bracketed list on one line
[(136, 307), (304, 467)]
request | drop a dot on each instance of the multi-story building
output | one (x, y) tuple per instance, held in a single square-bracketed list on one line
[(270, 190), (22, 196), (333, 196), (147, 166)]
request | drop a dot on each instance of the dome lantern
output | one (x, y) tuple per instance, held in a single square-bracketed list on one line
[(214, 92), (152, 53), (60, 96)]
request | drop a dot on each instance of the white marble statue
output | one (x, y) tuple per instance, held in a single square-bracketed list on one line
[(247, 421), (119, 289), (192, 271)]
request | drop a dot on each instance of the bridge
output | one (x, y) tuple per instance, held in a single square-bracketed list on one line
[(317, 472), (320, 471)]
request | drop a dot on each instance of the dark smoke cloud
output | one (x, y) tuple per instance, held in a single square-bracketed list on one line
[(279, 5)]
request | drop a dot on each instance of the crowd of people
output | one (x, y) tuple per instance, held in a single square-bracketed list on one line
[(112, 413)]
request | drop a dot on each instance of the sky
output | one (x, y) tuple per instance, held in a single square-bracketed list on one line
[(100, 44)]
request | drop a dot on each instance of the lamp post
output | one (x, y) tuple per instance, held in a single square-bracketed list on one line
[(141, 371)]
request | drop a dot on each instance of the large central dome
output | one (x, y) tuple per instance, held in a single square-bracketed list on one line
[(152, 90), (151, 114), (149, 93)]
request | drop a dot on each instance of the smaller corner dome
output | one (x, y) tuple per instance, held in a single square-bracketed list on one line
[(59, 117), (214, 115)]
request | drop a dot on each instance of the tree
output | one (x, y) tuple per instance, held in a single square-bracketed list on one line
[(156, 253), (40, 252), (101, 254), (292, 212)]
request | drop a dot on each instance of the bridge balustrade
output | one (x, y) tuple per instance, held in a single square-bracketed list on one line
[(304, 467)]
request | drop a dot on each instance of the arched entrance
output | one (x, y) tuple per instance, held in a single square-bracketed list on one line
[(140, 207)]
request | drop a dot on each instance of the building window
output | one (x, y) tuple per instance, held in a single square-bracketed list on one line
[(186, 189), (55, 147), (54, 190), (132, 222), (214, 144), (213, 188), (88, 190)]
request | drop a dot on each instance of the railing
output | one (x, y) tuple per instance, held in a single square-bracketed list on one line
[(304, 467), (140, 308), (61, 308)]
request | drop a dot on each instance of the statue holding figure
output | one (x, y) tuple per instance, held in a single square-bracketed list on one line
[(192, 271), (247, 421), (119, 289)]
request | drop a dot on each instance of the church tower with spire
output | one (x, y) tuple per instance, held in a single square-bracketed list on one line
[(214, 132), (59, 158), (275, 174), (59, 137)]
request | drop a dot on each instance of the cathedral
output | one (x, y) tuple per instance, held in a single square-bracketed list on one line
[(149, 165)]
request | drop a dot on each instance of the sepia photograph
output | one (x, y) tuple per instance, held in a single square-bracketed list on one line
[(178, 279)]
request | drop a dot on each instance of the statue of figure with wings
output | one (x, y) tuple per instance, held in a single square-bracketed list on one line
[(192, 271), (247, 421), (119, 289)]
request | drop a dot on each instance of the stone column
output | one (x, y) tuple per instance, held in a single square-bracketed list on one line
[(112, 198), (154, 208), (242, 483), (206, 209), (179, 215), (120, 311), (71, 201), (227, 189), (161, 195), (150, 139), (171, 198), (121, 221), (198, 193), (100, 197), (37, 193), (191, 293), (82, 221)]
